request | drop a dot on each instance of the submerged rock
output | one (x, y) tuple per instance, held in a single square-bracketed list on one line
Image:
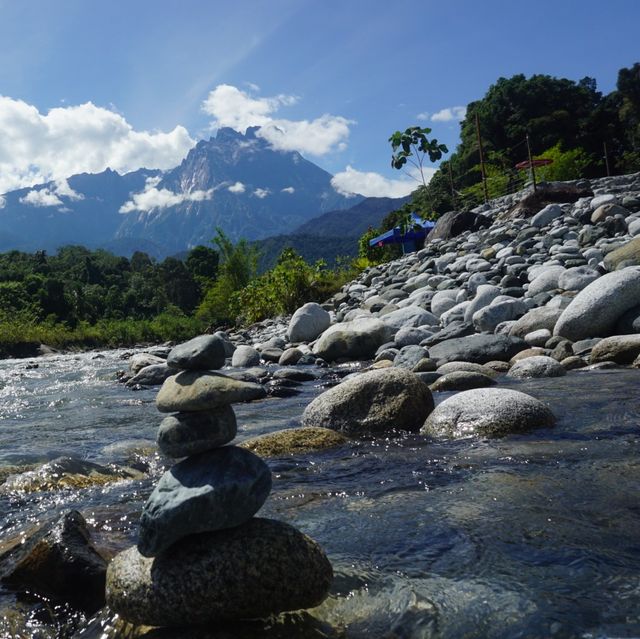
[(221, 488), (57, 561), (462, 380), (254, 570), (487, 412), (292, 441), (373, 402)]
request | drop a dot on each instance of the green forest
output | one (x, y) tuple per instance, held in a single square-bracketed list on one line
[(91, 298)]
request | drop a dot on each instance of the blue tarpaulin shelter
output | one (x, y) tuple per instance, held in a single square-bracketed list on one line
[(408, 239)]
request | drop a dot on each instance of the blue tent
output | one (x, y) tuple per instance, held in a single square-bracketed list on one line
[(408, 240)]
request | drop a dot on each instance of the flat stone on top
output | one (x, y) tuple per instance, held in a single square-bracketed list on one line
[(204, 390)]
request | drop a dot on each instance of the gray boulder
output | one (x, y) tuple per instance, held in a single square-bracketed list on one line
[(488, 318), (260, 568), (221, 488), (245, 356), (487, 412), (186, 434), (357, 339), (546, 215), (141, 360), (627, 255), (595, 309), (536, 366), (462, 380), (577, 278), (308, 322), (536, 319), (409, 316), (485, 294), (290, 357), (546, 280), (374, 402), (622, 349), (153, 375), (205, 352), (196, 391), (477, 348), (409, 356)]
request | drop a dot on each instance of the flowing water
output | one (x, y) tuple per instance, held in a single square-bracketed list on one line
[(534, 535)]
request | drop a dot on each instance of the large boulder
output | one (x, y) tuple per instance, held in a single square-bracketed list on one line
[(57, 561), (205, 352), (536, 366), (596, 308), (628, 254), (195, 391), (478, 349), (374, 402), (260, 568), (622, 349), (409, 316), (357, 339), (245, 356), (543, 317), (308, 322), (454, 223), (487, 412), (221, 488)]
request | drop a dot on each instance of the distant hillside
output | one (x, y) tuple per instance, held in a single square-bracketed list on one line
[(311, 247), (351, 222)]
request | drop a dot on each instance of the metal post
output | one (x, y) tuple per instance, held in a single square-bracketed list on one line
[(484, 175), (606, 158), (533, 169)]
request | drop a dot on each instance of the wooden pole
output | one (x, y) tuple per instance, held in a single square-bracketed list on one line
[(484, 175), (453, 191), (533, 168), (606, 158)]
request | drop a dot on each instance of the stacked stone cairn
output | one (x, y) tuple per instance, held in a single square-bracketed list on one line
[(202, 556)]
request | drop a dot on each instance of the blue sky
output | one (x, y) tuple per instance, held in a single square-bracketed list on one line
[(337, 76)]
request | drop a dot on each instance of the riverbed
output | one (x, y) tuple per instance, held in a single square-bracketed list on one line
[(533, 535)]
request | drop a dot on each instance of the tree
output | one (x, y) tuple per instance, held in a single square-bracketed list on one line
[(413, 146)]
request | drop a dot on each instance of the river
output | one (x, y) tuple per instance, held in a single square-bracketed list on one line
[(534, 535)]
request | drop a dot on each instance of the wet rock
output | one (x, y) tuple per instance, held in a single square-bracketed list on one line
[(453, 367), (57, 561), (373, 402), (153, 375), (357, 339), (205, 578), (66, 473), (487, 412), (409, 356), (186, 434), (621, 349), (290, 357), (205, 352), (477, 348), (221, 488), (294, 374), (142, 360), (197, 391), (461, 380), (245, 357), (271, 354), (294, 441), (595, 309), (537, 366), (308, 322)]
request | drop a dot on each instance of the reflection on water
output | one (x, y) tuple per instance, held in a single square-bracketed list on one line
[(535, 535)]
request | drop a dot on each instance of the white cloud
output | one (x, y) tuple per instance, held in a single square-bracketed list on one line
[(43, 197), (370, 184), (232, 107), (238, 187), (154, 198), (64, 190), (449, 114), (3, 201), (261, 193), (39, 147), (289, 189), (423, 116)]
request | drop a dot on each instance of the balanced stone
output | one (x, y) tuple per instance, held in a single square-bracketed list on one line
[(260, 568), (195, 391), (218, 489), (487, 412), (186, 434), (204, 352)]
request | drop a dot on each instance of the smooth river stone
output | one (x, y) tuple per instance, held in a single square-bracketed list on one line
[(487, 412), (185, 434), (196, 391), (204, 352), (255, 570), (221, 488)]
